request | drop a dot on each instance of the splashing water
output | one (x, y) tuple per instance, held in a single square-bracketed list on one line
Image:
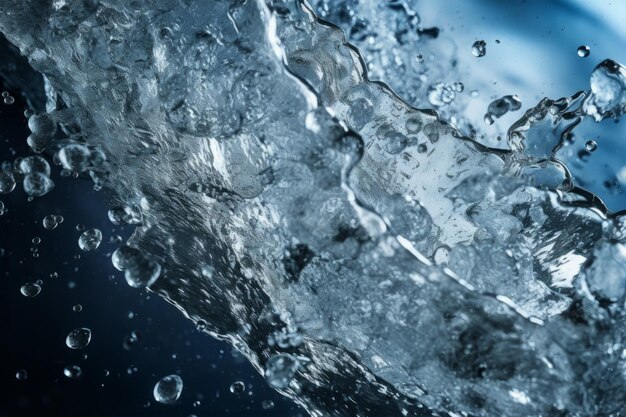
[(362, 254)]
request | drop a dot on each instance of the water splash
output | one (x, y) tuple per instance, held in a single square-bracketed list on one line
[(278, 191)]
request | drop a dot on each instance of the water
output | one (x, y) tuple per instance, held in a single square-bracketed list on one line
[(278, 188)]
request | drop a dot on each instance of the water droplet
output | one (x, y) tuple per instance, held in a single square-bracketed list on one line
[(21, 375), (2, 208), (37, 184), (75, 157), (49, 222), (280, 370), (479, 48), (140, 272), (30, 289), (237, 387), (459, 87), (41, 124), (7, 182), (591, 145), (9, 100), (90, 239), (201, 325), (583, 51), (168, 389), (78, 338), (36, 240), (77, 308), (73, 372), (197, 404), (34, 164)]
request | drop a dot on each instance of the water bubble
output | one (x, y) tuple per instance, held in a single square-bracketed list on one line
[(280, 370), (422, 148), (78, 338), (30, 289), (50, 222), (591, 145), (80, 227), (583, 51), (168, 389), (77, 308), (90, 239), (479, 49), (21, 375), (54, 275), (37, 184), (197, 403), (2, 208), (7, 182), (9, 100), (458, 87), (73, 372), (75, 157), (237, 387), (36, 240), (267, 404)]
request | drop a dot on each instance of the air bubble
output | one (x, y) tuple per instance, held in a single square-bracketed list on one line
[(77, 308), (21, 375)]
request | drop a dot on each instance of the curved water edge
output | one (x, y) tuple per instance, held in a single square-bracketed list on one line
[(299, 209)]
